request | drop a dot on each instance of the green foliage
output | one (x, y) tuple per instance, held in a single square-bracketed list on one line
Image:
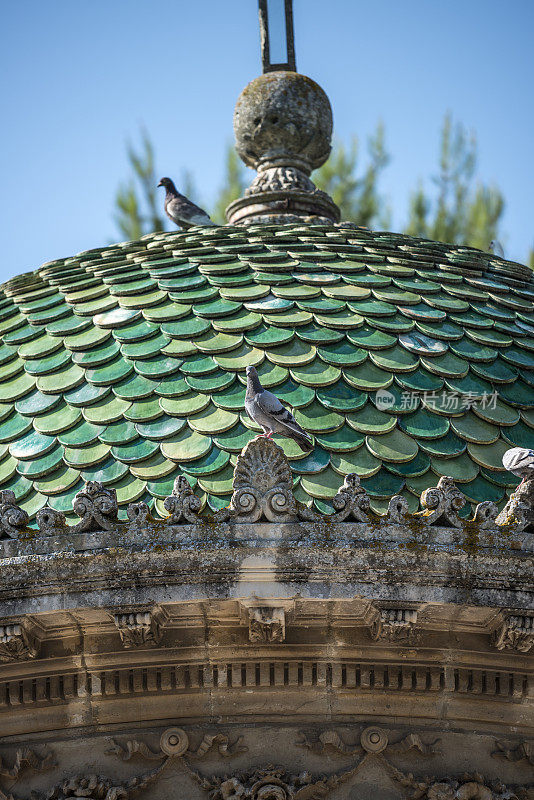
[(357, 197), (461, 213), (235, 183), (138, 214)]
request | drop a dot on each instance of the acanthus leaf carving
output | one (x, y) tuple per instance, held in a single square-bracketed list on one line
[(516, 633), (183, 504), (13, 519), (138, 628), (394, 624), (16, 644), (267, 624), (97, 507)]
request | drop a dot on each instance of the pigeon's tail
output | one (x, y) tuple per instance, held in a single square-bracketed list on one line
[(303, 441)]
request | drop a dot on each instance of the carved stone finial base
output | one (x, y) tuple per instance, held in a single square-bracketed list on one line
[(283, 128)]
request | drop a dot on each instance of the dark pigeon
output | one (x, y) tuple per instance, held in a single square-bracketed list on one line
[(181, 210), (266, 409)]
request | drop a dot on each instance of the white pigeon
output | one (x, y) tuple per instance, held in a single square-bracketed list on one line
[(181, 210), (496, 248), (520, 461), (266, 409)]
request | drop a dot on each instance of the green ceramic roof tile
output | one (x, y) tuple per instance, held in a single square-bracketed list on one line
[(424, 425), (97, 356), (187, 445), (61, 418), (395, 446), (43, 465), (341, 397), (85, 457), (370, 420), (361, 461), (519, 435), (316, 418), (146, 344), (490, 455), (367, 377), (462, 468)]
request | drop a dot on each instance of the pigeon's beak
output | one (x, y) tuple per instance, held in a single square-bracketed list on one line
[(160, 184)]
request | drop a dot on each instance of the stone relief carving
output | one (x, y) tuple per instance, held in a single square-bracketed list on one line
[(271, 783), (138, 628), (372, 740), (394, 624), (97, 507), (516, 633), (25, 758), (442, 503), (277, 179), (470, 786), (183, 505), (519, 509), (175, 742), (524, 750), (16, 644), (267, 624), (13, 520), (263, 484), (263, 491)]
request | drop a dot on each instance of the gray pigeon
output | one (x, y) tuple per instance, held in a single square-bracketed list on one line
[(266, 409), (181, 210), (496, 248), (520, 461)]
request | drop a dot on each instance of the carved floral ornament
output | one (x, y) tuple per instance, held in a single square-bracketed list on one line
[(270, 782), (263, 491)]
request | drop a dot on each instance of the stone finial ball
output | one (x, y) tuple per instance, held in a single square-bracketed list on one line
[(283, 118)]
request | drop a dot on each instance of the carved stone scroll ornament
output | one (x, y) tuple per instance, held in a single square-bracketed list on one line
[(263, 484), (442, 503), (13, 520), (516, 633), (97, 507), (175, 743), (372, 740), (183, 505), (16, 644)]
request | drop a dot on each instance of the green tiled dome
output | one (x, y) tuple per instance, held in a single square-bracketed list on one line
[(407, 360)]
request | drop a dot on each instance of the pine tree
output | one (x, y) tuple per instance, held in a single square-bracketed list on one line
[(461, 213), (356, 197), (136, 215)]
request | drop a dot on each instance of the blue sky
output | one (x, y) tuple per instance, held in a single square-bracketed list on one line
[(78, 79)]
